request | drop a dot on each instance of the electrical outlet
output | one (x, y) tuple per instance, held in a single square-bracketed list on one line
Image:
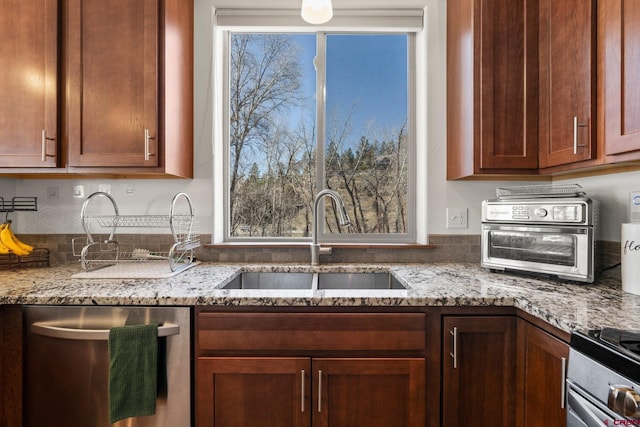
[(78, 191), (457, 218), (52, 192), (104, 188)]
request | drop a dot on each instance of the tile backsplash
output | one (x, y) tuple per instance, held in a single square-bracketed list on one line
[(441, 248)]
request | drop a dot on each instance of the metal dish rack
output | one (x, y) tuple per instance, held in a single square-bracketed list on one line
[(97, 253)]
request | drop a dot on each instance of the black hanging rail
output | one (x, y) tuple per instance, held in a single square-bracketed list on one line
[(19, 204)]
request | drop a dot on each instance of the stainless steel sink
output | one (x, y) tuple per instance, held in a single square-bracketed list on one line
[(298, 280), (358, 281), (271, 280)]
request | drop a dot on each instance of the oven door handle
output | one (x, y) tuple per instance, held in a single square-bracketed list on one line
[(165, 330), (588, 413)]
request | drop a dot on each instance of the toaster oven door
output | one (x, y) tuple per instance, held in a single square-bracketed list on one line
[(566, 252)]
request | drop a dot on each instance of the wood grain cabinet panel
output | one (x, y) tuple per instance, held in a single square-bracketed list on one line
[(245, 391), (112, 82), (29, 82), (619, 49), (97, 87), (541, 373), (492, 107), (299, 392), (567, 81), (310, 369), (10, 365), (478, 363), (129, 86)]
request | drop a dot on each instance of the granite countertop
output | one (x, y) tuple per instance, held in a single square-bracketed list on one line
[(564, 305)]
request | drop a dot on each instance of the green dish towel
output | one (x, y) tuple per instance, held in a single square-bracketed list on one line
[(133, 371)]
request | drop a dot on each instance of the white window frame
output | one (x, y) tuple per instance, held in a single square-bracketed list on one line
[(344, 22)]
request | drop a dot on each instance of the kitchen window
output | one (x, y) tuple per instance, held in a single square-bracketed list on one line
[(305, 110)]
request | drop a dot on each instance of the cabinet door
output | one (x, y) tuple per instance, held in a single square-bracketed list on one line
[(253, 392), (478, 360), (541, 377), (10, 365), (620, 32), (369, 392), (29, 60), (112, 82), (492, 85), (567, 81)]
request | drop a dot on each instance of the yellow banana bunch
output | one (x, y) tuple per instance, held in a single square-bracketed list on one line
[(10, 243)]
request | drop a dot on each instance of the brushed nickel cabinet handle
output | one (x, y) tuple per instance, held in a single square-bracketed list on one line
[(319, 391), (454, 353), (576, 125), (53, 331), (44, 146), (147, 137), (563, 383), (302, 392)]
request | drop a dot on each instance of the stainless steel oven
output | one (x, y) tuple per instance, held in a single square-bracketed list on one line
[(603, 378), (554, 236)]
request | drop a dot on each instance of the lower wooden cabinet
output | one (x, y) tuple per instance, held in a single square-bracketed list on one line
[(444, 366), (478, 371), (282, 391), (291, 369), (541, 373), (10, 366)]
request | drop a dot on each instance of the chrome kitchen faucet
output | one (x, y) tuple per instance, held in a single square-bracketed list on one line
[(316, 250)]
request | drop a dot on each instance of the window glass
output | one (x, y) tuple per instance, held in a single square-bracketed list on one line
[(366, 130), (277, 162)]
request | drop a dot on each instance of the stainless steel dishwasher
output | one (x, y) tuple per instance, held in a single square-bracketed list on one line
[(67, 364)]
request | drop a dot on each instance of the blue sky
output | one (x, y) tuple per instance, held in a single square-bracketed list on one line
[(369, 70)]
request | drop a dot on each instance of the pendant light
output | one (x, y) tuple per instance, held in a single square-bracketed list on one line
[(316, 11)]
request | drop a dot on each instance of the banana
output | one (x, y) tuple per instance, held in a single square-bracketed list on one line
[(7, 239), (19, 242), (3, 248)]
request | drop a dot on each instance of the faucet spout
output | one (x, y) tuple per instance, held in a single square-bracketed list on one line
[(316, 250)]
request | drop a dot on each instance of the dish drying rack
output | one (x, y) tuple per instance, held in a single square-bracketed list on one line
[(97, 253)]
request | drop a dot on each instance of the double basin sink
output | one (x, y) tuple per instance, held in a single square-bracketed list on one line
[(307, 280)]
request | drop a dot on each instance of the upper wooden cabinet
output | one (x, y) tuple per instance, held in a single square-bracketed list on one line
[(126, 88), (129, 86), (492, 119), (567, 81), (29, 60), (619, 50), (112, 83)]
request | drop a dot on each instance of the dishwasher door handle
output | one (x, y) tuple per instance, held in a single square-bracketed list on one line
[(167, 329)]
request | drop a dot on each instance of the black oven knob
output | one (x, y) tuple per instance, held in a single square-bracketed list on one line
[(541, 212)]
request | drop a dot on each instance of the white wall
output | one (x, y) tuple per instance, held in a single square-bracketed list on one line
[(61, 215)]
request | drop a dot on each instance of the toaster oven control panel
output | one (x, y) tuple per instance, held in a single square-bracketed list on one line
[(574, 213)]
